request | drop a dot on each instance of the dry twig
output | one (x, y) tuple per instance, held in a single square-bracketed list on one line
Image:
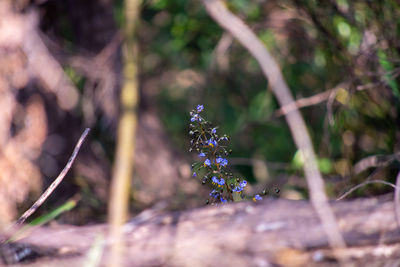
[(366, 183), (374, 161), (52, 187), (304, 102)]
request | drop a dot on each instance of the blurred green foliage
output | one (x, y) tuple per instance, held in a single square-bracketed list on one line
[(350, 46), (318, 45), (186, 59)]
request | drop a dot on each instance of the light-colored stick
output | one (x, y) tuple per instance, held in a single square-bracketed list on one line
[(235, 26)]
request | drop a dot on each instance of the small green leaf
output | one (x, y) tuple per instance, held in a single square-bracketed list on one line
[(298, 160), (325, 165)]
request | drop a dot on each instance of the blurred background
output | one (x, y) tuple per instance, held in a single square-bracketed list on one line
[(61, 71)]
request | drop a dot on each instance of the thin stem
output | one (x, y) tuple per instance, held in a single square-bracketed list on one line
[(366, 183)]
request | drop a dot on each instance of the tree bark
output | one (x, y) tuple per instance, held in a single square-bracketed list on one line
[(273, 232)]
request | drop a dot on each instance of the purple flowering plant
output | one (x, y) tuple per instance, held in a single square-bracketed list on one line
[(212, 150)]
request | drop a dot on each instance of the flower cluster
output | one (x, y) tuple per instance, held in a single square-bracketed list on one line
[(212, 150)]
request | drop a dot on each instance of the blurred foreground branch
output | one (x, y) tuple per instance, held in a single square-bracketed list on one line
[(231, 23), (124, 155)]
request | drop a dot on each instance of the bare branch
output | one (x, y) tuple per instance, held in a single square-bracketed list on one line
[(56, 182), (231, 23), (304, 102), (45, 67), (328, 95), (374, 161), (220, 58), (366, 183)]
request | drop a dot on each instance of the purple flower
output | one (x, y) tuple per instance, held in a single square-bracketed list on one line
[(223, 200), (212, 142), (194, 174), (195, 117), (207, 162), (214, 130), (257, 197), (202, 154), (221, 161), (240, 187), (221, 182), (199, 108), (237, 189), (214, 194)]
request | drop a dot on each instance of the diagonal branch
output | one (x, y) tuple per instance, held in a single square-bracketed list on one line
[(52, 187), (55, 183), (396, 187), (249, 40), (304, 102)]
